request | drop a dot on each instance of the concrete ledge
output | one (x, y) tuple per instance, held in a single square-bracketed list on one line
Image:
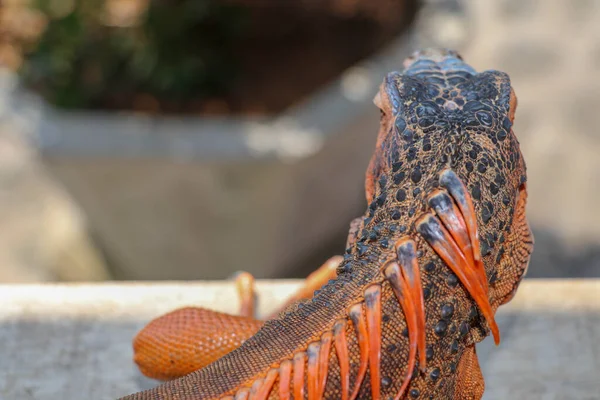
[(73, 341)]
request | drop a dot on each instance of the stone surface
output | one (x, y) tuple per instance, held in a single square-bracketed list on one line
[(549, 349), (74, 341)]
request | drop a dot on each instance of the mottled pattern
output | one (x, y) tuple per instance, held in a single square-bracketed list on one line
[(439, 113)]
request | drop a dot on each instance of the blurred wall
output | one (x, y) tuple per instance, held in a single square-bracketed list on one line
[(43, 234), (551, 49)]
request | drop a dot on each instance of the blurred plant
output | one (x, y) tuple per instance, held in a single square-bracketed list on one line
[(142, 54), (19, 24)]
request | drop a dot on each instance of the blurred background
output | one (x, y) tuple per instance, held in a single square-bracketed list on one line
[(182, 139)]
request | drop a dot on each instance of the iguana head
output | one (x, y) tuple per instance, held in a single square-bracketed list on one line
[(439, 114)]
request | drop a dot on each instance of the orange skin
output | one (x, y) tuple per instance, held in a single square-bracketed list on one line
[(443, 243)]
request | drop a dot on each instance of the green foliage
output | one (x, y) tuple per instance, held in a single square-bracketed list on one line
[(175, 51)]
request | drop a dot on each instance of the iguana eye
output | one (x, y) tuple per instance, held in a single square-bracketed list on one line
[(379, 103), (512, 105)]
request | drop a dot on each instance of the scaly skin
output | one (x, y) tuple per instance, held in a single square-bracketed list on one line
[(440, 120)]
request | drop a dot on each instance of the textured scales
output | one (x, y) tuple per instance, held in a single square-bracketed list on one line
[(443, 243)]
